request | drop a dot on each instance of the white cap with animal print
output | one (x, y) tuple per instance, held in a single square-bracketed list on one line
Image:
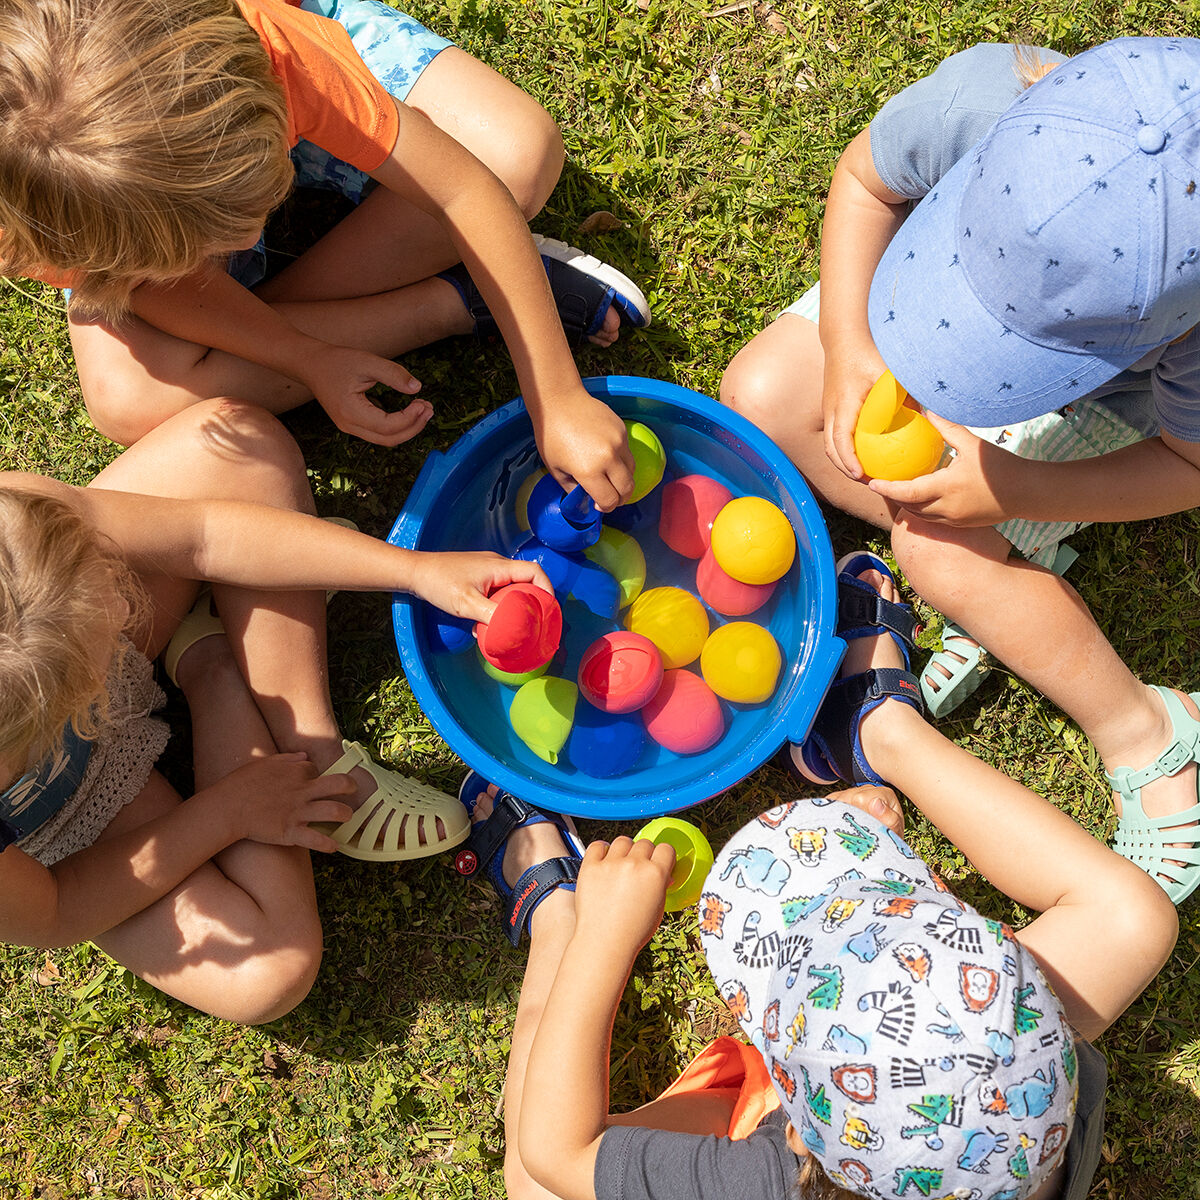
[(916, 1046)]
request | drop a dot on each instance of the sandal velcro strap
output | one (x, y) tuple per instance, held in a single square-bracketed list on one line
[(863, 612), (532, 887), (488, 837)]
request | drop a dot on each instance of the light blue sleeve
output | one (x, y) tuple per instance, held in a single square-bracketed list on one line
[(1176, 388), (923, 131)]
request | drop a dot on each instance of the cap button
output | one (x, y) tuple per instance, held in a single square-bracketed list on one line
[(1151, 139)]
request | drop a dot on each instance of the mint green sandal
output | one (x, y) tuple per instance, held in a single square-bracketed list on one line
[(1148, 841), (953, 673)]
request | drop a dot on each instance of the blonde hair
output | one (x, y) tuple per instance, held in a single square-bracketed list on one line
[(1029, 66), (55, 576), (135, 136)]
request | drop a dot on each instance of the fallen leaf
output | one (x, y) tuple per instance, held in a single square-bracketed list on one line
[(601, 222), (49, 975), (644, 5), (770, 18)]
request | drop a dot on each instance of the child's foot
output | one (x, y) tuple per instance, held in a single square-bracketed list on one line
[(1156, 801), (953, 673), (869, 724), (528, 855), (593, 297)]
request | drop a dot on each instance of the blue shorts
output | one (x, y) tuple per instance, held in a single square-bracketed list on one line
[(396, 49)]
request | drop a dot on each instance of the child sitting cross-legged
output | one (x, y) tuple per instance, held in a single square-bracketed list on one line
[(143, 146), (901, 1044), (209, 899)]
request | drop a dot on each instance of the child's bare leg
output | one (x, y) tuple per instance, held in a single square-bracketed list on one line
[(1031, 851), (775, 381), (1036, 623)]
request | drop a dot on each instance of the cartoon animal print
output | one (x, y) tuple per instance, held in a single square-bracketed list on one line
[(1054, 1139), (945, 929), (897, 1008), (924, 1179), (712, 914), (797, 1030), (897, 906), (914, 959), (1025, 1018), (894, 882), (804, 906), (924, 1072), (809, 845), (1030, 1097), (770, 1022), (1000, 930), (785, 1079), (792, 953), (854, 1173), (734, 995), (757, 869), (842, 1041), (774, 817), (934, 1111), (949, 1030), (865, 945), (981, 1145), (828, 993), (818, 1102), (979, 986), (856, 1080), (1002, 1046), (1070, 1058), (1018, 1164), (900, 844), (859, 840), (753, 950), (858, 1135), (838, 913)]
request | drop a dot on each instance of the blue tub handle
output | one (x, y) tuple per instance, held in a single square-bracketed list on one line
[(828, 658)]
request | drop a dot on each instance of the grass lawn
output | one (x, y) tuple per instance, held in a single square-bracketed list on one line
[(711, 135)]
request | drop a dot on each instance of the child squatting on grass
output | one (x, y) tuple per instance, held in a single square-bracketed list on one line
[(902, 1044), (1045, 288), (212, 899), (142, 146)]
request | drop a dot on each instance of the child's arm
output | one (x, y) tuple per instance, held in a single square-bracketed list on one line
[(211, 309), (580, 438), (985, 484), (255, 545), (564, 1110), (861, 218), (270, 800)]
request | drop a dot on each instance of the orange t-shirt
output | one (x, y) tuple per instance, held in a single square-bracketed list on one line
[(333, 100)]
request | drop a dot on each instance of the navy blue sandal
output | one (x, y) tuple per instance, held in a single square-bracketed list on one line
[(484, 850), (584, 289), (832, 752)]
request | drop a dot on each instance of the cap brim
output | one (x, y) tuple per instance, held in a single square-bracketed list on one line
[(946, 348)]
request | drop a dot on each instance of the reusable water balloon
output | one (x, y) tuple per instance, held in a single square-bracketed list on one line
[(726, 595), (620, 672), (693, 858), (685, 715), (604, 745), (649, 459), (891, 438), (524, 631), (521, 500), (674, 620), (451, 634), (740, 662), (689, 505), (508, 678), (542, 713), (562, 520), (752, 540), (621, 556)]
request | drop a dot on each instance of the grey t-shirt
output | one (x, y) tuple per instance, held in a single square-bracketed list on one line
[(635, 1163), (923, 131)]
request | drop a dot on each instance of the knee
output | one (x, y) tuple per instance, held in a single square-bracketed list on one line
[(531, 159), (1141, 924), (935, 559), (273, 982), (753, 386), (120, 409), (774, 380)]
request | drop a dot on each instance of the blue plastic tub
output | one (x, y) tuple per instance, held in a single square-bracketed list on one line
[(463, 500)]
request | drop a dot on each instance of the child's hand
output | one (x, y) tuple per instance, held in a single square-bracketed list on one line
[(274, 800), (581, 440), (879, 802), (849, 376), (970, 491), (340, 377), (621, 893), (459, 583)]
